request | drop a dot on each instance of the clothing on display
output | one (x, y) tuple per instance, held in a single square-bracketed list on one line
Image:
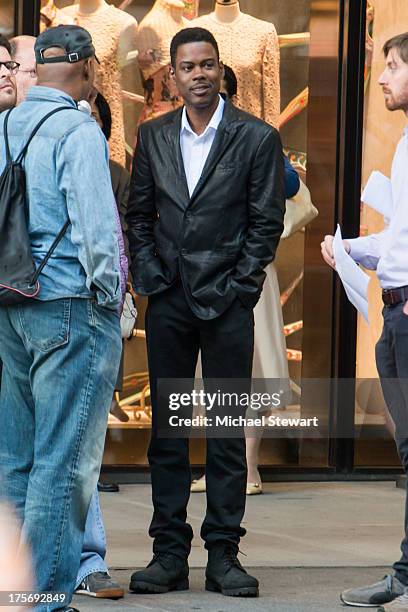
[(250, 47), (114, 35), (191, 9), (51, 16), (155, 33)]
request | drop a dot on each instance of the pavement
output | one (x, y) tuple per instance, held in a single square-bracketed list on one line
[(306, 542)]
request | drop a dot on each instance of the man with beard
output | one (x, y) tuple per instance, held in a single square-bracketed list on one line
[(8, 71), (386, 252)]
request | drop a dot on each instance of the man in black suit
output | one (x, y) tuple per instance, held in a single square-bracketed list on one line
[(205, 216)]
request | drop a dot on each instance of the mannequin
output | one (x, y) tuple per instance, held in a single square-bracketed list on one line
[(51, 16), (114, 33), (250, 47), (155, 32), (227, 11)]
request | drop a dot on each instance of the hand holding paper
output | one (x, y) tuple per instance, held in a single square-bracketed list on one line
[(355, 281)]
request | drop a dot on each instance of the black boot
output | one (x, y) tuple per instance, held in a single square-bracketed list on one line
[(225, 574), (165, 572)]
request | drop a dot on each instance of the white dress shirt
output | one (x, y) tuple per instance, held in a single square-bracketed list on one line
[(387, 251), (195, 149)]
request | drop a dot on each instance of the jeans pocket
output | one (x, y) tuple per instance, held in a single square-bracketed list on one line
[(46, 325)]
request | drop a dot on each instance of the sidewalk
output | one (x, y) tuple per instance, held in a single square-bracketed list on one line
[(306, 542)]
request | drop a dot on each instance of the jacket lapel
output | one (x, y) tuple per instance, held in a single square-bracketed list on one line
[(223, 138), (171, 135)]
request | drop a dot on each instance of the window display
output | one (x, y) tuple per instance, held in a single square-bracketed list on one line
[(114, 34), (250, 47)]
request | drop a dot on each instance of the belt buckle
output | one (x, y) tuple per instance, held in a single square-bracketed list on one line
[(388, 297)]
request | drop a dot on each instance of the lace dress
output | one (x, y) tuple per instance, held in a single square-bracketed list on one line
[(250, 47), (106, 28)]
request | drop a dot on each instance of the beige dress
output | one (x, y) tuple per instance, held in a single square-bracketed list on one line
[(106, 27), (250, 47)]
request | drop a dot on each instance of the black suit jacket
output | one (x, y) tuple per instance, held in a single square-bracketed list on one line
[(220, 239)]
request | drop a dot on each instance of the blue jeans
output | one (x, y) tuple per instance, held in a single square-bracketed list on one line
[(60, 362), (94, 546), (391, 354)]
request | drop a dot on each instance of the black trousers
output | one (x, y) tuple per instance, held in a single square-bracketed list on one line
[(174, 337), (392, 365)]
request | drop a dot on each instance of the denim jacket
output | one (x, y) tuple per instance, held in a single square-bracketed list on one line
[(67, 177)]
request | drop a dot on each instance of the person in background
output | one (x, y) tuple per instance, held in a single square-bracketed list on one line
[(8, 72), (22, 51), (8, 87)]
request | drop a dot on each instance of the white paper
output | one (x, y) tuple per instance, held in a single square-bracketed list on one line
[(355, 281), (378, 194)]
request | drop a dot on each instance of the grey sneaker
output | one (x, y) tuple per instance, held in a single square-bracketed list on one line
[(100, 584), (396, 605), (382, 592)]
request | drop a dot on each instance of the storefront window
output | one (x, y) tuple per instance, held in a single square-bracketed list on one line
[(138, 89), (382, 130)]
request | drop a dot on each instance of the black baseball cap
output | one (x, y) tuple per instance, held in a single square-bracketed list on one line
[(74, 40)]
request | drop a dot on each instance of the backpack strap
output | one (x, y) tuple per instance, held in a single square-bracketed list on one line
[(6, 139), (22, 153), (50, 251)]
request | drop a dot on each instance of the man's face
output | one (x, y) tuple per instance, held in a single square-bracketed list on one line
[(394, 82), (8, 90), (198, 74), (26, 76)]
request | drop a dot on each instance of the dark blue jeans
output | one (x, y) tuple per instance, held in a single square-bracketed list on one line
[(392, 365), (60, 362)]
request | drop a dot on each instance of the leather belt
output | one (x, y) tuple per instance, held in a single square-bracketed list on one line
[(391, 297)]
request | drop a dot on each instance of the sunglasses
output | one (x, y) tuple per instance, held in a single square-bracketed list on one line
[(12, 67)]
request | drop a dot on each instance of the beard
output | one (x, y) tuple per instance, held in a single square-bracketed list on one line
[(394, 104)]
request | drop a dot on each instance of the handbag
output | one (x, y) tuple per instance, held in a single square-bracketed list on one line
[(299, 211), (128, 317)]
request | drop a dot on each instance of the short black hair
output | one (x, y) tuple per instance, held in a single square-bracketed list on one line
[(5, 43), (191, 35), (230, 81), (105, 114)]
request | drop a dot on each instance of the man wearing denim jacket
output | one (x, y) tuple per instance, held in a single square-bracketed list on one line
[(57, 383)]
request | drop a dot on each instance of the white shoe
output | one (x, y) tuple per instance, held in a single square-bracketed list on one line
[(254, 488), (198, 486)]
